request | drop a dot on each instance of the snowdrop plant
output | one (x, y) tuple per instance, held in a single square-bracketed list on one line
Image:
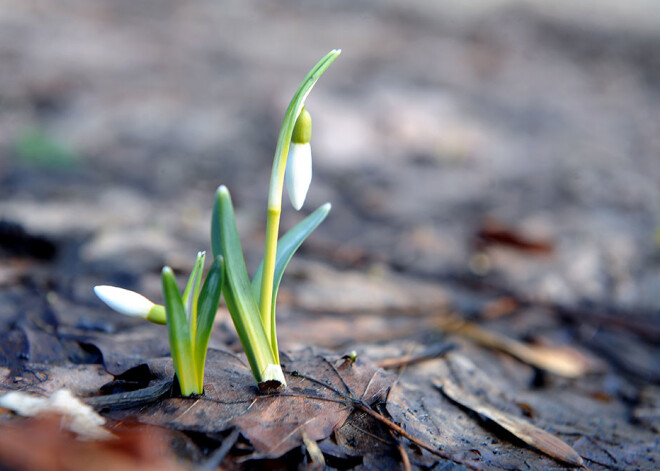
[(189, 316), (252, 303)]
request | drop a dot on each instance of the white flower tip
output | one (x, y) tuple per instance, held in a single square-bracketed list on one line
[(298, 174), (336, 51), (124, 301)]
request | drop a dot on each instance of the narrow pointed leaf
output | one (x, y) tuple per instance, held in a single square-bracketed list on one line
[(238, 294), (179, 335), (287, 247), (191, 293), (209, 298)]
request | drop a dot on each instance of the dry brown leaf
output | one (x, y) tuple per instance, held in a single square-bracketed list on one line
[(561, 360), (317, 460), (530, 434), (274, 424), (40, 444), (493, 232)]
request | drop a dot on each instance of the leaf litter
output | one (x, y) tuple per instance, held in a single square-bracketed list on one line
[(273, 423), (533, 436)]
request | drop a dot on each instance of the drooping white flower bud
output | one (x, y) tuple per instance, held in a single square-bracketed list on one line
[(298, 174), (124, 301)]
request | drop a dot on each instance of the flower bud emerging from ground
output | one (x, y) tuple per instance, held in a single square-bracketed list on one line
[(299, 162), (124, 301)]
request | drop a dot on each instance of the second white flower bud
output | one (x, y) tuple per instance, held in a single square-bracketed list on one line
[(124, 301), (298, 174)]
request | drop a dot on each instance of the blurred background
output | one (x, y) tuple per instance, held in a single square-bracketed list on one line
[(493, 148)]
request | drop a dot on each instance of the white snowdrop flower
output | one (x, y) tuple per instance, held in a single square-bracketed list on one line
[(124, 301), (298, 174)]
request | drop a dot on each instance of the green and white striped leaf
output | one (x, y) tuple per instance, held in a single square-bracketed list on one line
[(191, 293), (236, 288), (180, 336), (207, 308)]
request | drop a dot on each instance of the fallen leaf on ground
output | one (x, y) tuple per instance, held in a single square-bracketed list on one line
[(561, 360), (493, 232), (40, 444), (81, 380), (530, 434), (274, 424)]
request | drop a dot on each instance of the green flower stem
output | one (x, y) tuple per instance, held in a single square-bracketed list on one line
[(272, 231), (276, 189)]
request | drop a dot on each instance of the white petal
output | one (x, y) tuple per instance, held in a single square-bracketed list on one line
[(298, 174), (124, 301)]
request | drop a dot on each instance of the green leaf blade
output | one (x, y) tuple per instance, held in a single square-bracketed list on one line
[(287, 246), (191, 293), (238, 294), (209, 298), (180, 336)]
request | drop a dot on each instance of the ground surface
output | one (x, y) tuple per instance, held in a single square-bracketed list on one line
[(498, 162)]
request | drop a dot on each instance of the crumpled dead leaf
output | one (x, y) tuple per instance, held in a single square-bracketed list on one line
[(530, 434)]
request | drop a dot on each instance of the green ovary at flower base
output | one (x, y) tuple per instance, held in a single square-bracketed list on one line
[(251, 303)]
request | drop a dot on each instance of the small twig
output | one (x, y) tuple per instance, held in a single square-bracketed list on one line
[(431, 353), (367, 433), (361, 405), (381, 418), (220, 453), (405, 460)]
